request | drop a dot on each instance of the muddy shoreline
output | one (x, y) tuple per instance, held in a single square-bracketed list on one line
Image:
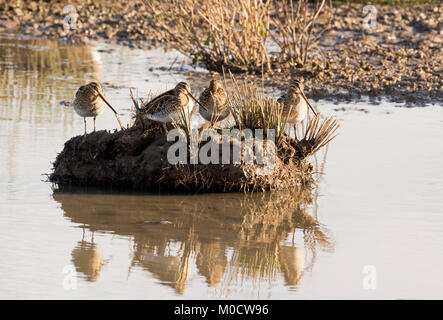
[(401, 60)]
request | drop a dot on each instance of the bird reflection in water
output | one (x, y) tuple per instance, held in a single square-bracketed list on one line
[(87, 259), (225, 238)]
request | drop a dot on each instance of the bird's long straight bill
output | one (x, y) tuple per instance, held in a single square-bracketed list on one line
[(106, 101), (115, 112), (190, 94), (310, 106)]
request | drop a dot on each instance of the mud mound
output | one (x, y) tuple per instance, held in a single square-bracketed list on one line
[(132, 159)]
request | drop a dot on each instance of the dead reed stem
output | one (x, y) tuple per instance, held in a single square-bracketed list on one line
[(318, 134)]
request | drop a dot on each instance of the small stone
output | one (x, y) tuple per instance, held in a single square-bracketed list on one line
[(18, 12)]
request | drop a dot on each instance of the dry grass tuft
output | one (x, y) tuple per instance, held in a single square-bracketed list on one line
[(317, 134), (238, 34), (252, 109), (184, 122)]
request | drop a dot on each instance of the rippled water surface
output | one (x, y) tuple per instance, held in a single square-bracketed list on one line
[(371, 229)]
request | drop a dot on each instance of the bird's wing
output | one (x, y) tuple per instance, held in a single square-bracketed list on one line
[(204, 96), (282, 98), (157, 103)]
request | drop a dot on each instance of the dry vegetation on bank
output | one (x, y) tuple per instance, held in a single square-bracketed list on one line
[(401, 59), (238, 35)]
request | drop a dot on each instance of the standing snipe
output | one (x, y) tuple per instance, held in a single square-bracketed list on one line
[(214, 101), (168, 106), (295, 104), (90, 101)]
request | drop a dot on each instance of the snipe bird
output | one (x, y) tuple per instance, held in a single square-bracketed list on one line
[(215, 104), (295, 104), (90, 101), (167, 106)]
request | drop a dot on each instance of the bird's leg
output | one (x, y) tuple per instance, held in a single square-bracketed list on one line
[(94, 124), (165, 128), (295, 132), (84, 119)]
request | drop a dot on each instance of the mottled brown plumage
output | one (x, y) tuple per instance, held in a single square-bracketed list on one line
[(295, 107), (214, 100), (90, 101), (294, 103), (167, 106)]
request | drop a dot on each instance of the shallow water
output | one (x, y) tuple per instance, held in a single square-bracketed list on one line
[(378, 206)]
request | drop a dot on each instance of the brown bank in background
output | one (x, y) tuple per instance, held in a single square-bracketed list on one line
[(400, 58)]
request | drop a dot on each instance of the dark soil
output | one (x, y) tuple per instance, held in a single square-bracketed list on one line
[(121, 21)]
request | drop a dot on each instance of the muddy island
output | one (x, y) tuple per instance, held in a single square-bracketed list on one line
[(255, 154), (131, 159)]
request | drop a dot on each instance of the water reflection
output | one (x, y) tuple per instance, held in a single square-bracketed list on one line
[(226, 238), (36, 74), (87, 258)]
